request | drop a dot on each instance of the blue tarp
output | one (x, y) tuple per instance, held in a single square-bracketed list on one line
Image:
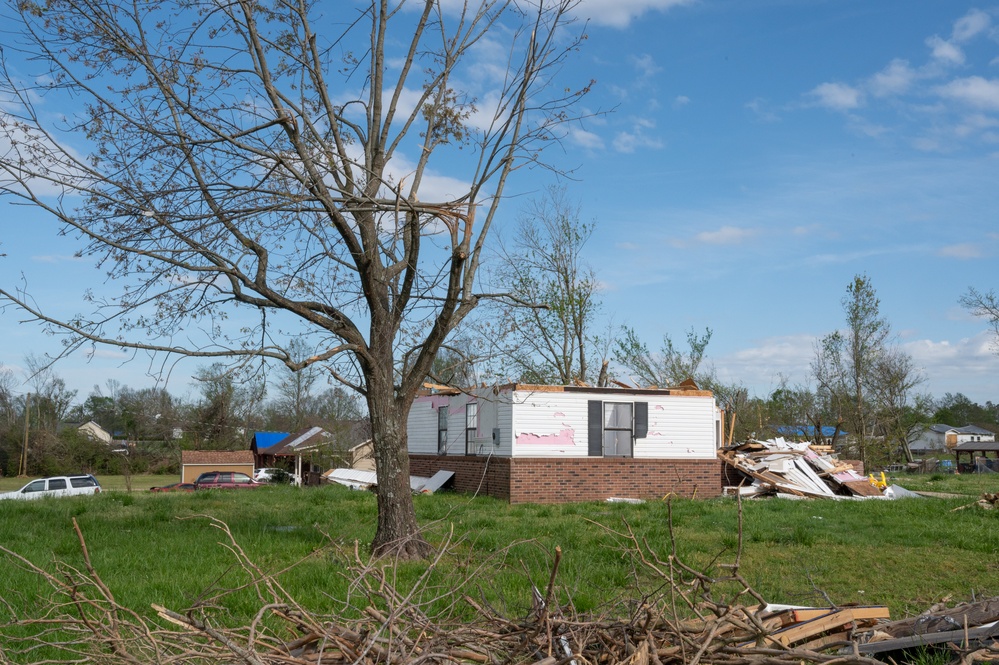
[(264, 440)]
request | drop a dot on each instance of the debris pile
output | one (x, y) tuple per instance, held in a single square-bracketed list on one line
[(793, 469)]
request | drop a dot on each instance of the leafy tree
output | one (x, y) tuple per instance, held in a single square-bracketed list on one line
[(249, 172), (958, 410), (864, 380), (669, 366), (553, 298)]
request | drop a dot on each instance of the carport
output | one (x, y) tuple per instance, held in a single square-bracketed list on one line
[(978, 456)]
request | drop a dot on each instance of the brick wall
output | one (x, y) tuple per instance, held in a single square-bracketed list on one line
[(557, 480)]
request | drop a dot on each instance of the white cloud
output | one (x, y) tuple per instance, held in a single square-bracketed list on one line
[(680, 101), (973, 91), (586, 139), (763, 110), (971, 25), (637, 137), (761, 366), (646, 65), (961, 251), (895, 79), (620, 13), (726, 235), (837, 96), (944, 51)]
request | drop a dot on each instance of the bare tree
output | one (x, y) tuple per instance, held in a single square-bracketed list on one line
[(549, 325), (252, 169), (984, 305)]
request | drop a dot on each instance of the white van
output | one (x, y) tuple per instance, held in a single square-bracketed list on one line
[(56, 486)]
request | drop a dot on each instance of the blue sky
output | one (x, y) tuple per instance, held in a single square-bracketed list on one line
[(759, 155)]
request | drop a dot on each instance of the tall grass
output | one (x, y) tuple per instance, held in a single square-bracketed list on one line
[(164, 549)]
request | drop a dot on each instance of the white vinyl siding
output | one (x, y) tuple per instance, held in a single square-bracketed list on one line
[(555, 424)]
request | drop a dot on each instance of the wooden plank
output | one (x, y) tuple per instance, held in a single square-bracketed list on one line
[(817, 626), (822, 642), (862, 488), (859, 612)]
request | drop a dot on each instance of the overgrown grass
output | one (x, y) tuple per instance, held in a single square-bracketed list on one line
[(165, 549)]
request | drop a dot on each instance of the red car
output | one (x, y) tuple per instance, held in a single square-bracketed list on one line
[(225, 480), (174, 487)]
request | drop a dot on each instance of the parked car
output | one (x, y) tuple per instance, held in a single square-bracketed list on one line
[(56, 486), (174, 487), (271, 475), (225, 480)]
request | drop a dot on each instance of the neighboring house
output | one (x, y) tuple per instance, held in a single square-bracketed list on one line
[(361, 456), (95, 432), (294, 448), (546, 444), (195, 462), (943, 438)]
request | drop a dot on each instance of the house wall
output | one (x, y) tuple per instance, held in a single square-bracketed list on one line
[(556, 424), (544, 423), (493, 412), (928, 441), (567, 479)]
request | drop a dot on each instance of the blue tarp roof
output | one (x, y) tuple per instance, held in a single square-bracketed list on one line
[(264, 440)]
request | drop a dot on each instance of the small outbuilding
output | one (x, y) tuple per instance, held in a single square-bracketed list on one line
[(978, 456), (195, 462)]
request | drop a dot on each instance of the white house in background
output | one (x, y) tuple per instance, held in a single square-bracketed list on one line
[(585, 442), (943, 438), (95, 432)]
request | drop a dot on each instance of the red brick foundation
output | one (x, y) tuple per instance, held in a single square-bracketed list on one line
[(561, 480)]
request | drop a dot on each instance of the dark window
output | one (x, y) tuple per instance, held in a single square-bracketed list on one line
[(36, 486), (57, 484), (442, 430), (471, 426), (240, 478), (83, 481), (225, 477)]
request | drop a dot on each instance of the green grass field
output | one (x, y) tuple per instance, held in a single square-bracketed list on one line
[(165, 548)]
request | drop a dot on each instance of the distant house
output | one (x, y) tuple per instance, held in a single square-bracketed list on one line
[(195, 462), (548, 444), (95, 432), (943, 438)]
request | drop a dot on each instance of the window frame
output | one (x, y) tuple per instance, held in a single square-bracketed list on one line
[(471, 426), (609, 409), (442, 418), (596, 428)]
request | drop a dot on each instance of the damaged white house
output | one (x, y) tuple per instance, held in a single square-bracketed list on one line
[(542, 444)]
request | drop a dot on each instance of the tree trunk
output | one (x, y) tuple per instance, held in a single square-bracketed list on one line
[(398, 533)]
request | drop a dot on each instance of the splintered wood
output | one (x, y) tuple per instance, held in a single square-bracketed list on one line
[(779, 467)]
